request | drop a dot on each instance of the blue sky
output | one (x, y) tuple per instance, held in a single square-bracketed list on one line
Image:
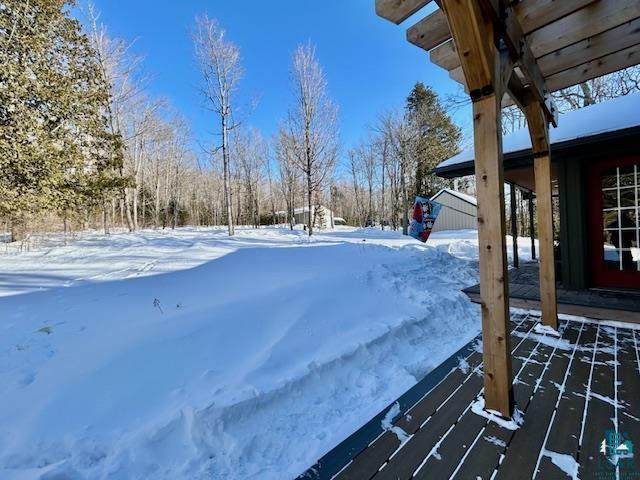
[(369, 65)]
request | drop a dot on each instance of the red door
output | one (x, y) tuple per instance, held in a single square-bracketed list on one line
[(614, 223)]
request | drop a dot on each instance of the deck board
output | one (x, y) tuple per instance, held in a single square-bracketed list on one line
[(486, 454), (522, 460), (569, 411), (470, 425), (366, 464), (599, 412), (629, 386), (567, 394)]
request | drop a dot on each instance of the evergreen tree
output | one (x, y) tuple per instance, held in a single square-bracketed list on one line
[(438, 138), (55, 152)]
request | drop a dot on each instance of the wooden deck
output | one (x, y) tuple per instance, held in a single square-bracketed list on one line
[(572, 392), (524, 292)]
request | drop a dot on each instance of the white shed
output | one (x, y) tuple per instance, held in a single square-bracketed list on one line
[(459, 211), (323, 217)]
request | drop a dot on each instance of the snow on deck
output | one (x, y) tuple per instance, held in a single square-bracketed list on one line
[(577, 414), (181, 354)]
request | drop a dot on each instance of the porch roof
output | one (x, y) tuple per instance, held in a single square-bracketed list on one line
[(617, 117)]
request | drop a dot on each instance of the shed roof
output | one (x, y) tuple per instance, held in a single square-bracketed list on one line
[(462, 196), (617, 115)]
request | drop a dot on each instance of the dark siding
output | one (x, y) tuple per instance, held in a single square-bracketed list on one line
[(573, 232)]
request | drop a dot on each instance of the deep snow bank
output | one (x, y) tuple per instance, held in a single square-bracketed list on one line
[(189, 354)]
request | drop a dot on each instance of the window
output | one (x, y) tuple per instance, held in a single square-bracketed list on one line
[(620, 215)]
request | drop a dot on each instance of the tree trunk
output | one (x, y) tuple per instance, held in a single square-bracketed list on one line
[(135, 208), (405, 201), (174, 223), (127, 210), (18, 229), (384, 155), (105, 224), (157, 202), (309, 202), (227, 175)]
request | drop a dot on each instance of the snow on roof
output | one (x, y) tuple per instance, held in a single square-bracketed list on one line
[(306, 209), (462, 196), (302, 210), (610, 116)]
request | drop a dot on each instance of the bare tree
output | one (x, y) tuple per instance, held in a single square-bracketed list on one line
[(251, 154), (219, 63), (312, 124), (285, 153), (121, 71), (368, 166), (355, 174), (402, 137)]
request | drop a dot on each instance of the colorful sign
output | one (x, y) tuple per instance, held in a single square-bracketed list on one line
[(425, 213)]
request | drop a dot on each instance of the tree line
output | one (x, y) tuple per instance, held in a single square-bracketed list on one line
[(83, 144)]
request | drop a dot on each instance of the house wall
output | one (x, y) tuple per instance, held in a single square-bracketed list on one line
[(573, 229), (456, 214), (574, 210)]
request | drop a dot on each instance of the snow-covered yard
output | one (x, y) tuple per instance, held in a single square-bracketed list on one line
[(189, 354)]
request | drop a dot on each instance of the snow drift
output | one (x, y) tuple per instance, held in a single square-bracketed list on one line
[(189, 354)]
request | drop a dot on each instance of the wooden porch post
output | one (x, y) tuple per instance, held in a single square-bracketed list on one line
[(486, 72), (494, 287), (548, 300), (514, 224), (532, 227), (539, 131)]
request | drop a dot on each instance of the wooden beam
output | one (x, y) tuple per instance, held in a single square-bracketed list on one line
[(606, 43), (483, 72), (474, 43), (532, 227), (534, 14), (520, 53), (397, 11), (494, 284), (458, 76), (429, 32), (575, 46), (538, 128), (596, 68), (585, 23), (445, 55), (539, 131), (548, 298), (514, 223)]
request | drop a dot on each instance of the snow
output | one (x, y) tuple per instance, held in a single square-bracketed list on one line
[(612, 115), (387, 423), (189, 354), (495, 441), (564, 462), (545, 330), (463, 365), (515, 423), (463, 196), (549, 340)]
